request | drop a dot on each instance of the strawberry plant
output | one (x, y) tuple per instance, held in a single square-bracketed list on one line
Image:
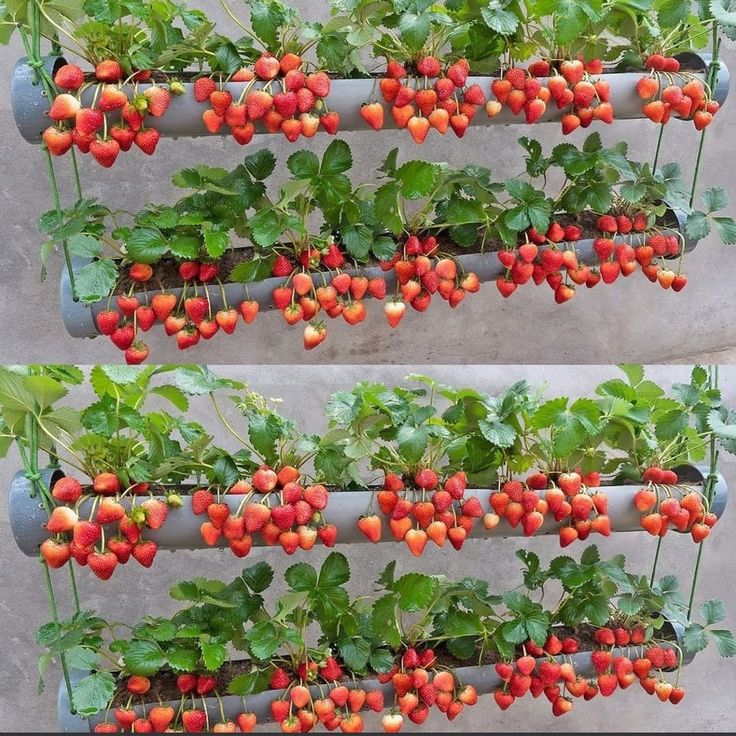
[(617, 618)]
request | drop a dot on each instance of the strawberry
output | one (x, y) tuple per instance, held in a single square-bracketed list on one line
[(102, 564), (147, 139), (371, 527), (318, 83), (196, 308), (55, 554), (418, 128), (58, 142), (394, 311), (109, 70), (105, 151), (570, 123), (373, 114), (194, 721), (145, 552), (504, 700), (314, 334), (203, 88), (112, 98)]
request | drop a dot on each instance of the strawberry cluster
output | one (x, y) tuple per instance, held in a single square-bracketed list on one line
[(433, 99), (663, 97), (286, 514), (115, 121), (570, 501), (625, 244), (297, 711), (662, 510), (188, 319), (163, 718), (419, 685), (111, 534), (300, 299), (572, 89), (289, 100), (422, 510), (538, 672), (421, 273)]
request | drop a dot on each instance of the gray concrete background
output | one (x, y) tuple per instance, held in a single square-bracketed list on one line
[(710, 681), (633, 320)]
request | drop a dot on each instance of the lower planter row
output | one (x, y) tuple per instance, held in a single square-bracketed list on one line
[(344, 508), (79, 318), (483, 678)]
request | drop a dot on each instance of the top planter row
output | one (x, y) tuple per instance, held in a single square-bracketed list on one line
[(184, 115)]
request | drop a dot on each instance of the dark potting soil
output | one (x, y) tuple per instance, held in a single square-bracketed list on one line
[(163, 685), (166, 271)]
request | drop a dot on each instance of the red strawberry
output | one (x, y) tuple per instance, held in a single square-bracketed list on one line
[(57, 141), (145, 552), (147, 139), (203, 88), (102, 564)]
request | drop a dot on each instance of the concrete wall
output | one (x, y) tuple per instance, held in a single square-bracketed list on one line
[(633, 320), (710, 681)]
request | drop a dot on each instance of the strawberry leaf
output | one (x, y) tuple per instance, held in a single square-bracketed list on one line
[(415, 591), (92, 693), (96, 280)]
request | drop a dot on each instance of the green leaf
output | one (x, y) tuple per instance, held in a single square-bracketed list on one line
[(185, 246), (334, 571), (264, 639), (302, 577), (412, 442), (258, 577), (715, 198), (303, 164), (227, 57), (182, 660), (713, 611), (695, 638), (355, 651), (261, 164), (84, 246), (414, 28), (418, 178), (215, 241), (145, 245), (725, 642), (415, 591), (176, 396), (214, 654), (255, 269), (93, 693), (697, 226), (82, 658), (250, 683), (45, 390), (384, 619), (96, 281), (499, 20), (144, 658), (337, 159), (462, 623), (726, 229), (266, 19), (497, 433)]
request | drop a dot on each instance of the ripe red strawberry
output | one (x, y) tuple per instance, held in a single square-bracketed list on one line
[(196, 308), (69, 76), (57, 141), (145, 552), (102, 564), (203, 88), (147, 139), (56, 554)]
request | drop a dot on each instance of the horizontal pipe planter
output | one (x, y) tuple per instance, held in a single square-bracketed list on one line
[(181, 530), (184, 115), (484, 679), (79, 318)]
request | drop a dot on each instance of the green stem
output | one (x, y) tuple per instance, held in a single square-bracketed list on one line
[(710, 482), (656, 560), (75, 591), (77, 180), (696, 173), (659, 147), (55, 618), (57, 205)]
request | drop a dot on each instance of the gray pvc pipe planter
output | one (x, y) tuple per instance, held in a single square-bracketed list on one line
[(181, 530), (184, 116), (79, 318), (483, 678)]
